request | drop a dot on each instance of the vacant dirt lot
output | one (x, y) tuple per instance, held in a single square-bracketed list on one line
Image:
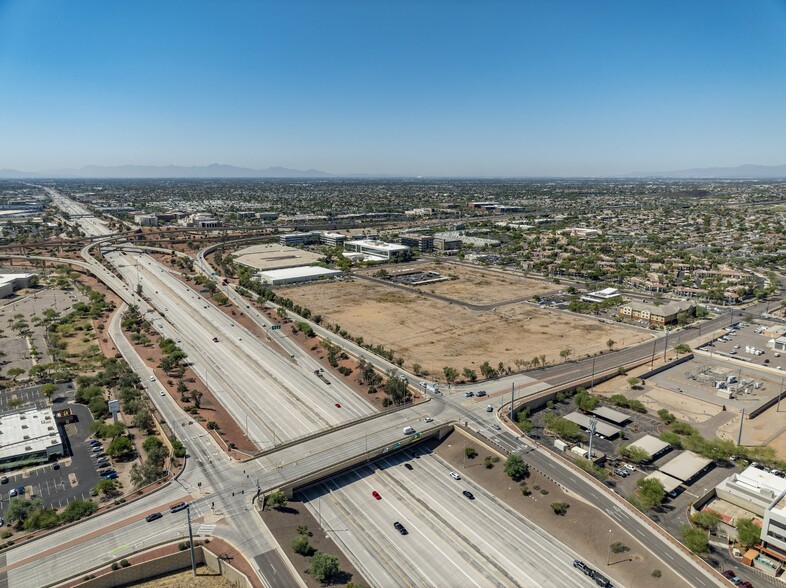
[(435, 334), (478, 286)]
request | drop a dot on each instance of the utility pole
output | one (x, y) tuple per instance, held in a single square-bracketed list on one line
[(739, 434), (592, 424), (654, 346), (512, 398), (780, 395), (191, 540), (666, 346), (608, 553)]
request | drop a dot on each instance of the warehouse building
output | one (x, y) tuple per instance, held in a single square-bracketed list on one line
[(670, 485), (295, 275), (28, 436), (10, 283), (615, 417)]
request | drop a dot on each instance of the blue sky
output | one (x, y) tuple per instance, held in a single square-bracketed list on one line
[(410, 87)]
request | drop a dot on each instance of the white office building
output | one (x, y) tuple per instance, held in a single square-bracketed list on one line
[(377, 250)]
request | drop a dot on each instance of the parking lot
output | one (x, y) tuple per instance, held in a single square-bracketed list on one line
[(76, 473), (733, 344)]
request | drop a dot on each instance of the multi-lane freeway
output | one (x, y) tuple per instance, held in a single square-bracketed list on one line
[(249, 378)]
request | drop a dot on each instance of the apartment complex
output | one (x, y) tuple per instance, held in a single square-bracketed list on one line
[(656, 315)]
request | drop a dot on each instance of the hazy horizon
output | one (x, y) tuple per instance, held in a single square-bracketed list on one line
[(403, 89)]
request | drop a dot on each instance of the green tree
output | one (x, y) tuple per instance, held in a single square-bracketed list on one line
[(633, 382), (300, 545), (635, 454), (706, 520), (516, 468), (560, 508), (324, 567), (651, 492), (19, 509), (450, 374), (470, 452), (470, 374), (277, 499), (565, 353), (610, 344), (15, 372), (48, 390), (108, 488), (120, 447), (41, 518), (748, 533), (695, 539), (78, 509)]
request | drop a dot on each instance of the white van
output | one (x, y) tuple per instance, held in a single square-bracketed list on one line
[(408, 430)]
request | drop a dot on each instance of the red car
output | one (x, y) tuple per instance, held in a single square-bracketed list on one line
[(338, 405), (376, 495)]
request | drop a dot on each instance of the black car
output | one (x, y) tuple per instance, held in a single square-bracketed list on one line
[(408, 466), (106, 472), (400, 528), (152, 517), (178, 507), (469, 494)]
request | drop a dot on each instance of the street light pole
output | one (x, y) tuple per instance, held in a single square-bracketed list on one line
[(608, 553)]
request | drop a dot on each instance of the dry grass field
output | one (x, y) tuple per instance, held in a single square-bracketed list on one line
[(478, 286), (437, 334)]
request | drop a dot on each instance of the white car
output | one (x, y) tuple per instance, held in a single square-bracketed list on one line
[(428, 419), (455, 476), (630, 467), (162, 393), (152, 378)]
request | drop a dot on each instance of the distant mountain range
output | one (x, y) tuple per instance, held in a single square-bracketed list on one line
[(217, 170), (741, 171), (214, 170)]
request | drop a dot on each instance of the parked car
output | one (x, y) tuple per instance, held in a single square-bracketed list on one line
[(112, 476), (4, 480), (629, 466), (12, 492), (621, 472), (96, 448)]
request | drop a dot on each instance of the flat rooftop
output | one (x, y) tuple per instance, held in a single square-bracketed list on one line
[(650, 444), (611, 415), (685, 466), (583, 421), (272, 256), (669, 484), (309, 271), (27, 431)]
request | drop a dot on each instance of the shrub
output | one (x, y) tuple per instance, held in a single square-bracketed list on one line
[(560, 508), (618, 547), (656, 573), (470, 452), (115, 566), (124, 563)]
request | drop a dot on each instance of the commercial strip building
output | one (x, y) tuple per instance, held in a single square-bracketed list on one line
[(602, 295), (10, 283), (29, 435), (657, 315), (294, 275)]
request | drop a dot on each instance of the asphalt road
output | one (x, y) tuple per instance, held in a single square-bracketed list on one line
[(451, 540)]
